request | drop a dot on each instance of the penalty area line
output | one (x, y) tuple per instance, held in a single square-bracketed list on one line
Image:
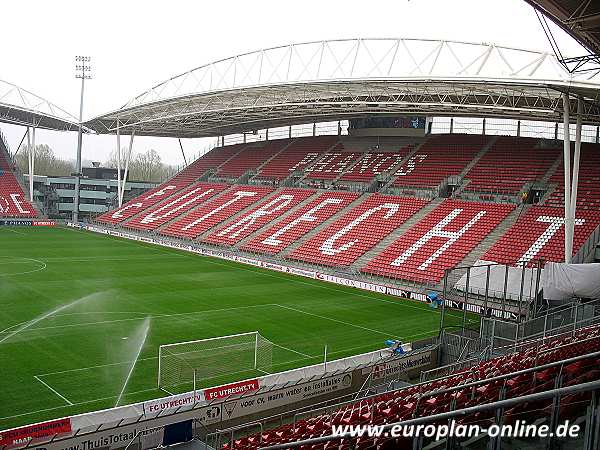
[(292, 350), (54, 390)]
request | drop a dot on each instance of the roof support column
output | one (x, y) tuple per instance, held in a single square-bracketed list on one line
[(31, 160), (180, 146), (567, 170), (119, 164), (451, 125), (127, 166), (483, 127), (79, 146), (575, 178), (518, 128)]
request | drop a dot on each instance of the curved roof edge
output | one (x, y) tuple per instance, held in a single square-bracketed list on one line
[(19, 106), (318, 79)]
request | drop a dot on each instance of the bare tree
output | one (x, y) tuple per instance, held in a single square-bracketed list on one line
[(46, 162), (146, 166)]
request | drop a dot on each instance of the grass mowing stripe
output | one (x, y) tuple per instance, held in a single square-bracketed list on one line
[(81, 350)]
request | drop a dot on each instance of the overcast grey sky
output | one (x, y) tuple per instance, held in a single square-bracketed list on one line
[(135, 44)]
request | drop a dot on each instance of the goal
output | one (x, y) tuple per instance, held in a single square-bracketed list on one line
[(189, 363)]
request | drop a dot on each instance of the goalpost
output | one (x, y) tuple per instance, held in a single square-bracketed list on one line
[(193, 361)]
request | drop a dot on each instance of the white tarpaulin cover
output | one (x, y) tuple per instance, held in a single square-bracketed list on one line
[(478, 277), (563, 281)]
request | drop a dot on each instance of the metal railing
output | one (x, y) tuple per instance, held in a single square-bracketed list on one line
[(561, 397)]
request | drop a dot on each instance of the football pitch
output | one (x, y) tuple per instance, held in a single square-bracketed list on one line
[(72, 303)]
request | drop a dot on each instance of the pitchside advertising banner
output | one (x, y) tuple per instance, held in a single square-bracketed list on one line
[(23, 435), (27, 223), (396, 367)]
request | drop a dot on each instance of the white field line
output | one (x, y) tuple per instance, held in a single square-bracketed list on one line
[(292, 350), (74, 404), (54, 390), (266, 272), (39, 269), (15, 231), (157, 316), (339, 321), (7, 329), (155, 389)]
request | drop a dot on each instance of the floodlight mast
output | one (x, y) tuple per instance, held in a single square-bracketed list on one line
[(82, 71)]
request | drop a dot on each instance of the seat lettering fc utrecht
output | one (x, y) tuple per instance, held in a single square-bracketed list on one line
[(239, 195), (308, 216), (327, 248), (554, 224), (438, 231), (176, 205), (270, 208)]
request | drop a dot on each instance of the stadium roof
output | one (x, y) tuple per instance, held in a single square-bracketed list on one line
[(338, 79), (579, 18), (21, 107)]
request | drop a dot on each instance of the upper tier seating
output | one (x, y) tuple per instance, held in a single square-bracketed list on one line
[(540, 234), (445, 394), (12, 197), (588, 188), (343, 242), (301, 153), (178, 204), (286, 231), (439, 241), (270, 209), (373, 164), (333, 164), (250, 157), (437, 159), (216, 211), (510, 164), (187, 176)]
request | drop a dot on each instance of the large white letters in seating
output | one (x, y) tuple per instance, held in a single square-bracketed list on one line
[(306, 217), (19, 204), (438, 231), (554, 224), (236, 197), (276, 204), (158, 214), (327, 246)]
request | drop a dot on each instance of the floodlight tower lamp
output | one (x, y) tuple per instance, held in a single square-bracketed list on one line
[(83, 71)]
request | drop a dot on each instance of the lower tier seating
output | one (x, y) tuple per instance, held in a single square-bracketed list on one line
[(444, 394), (175, 206), (343, 242), (12, 197), (139, 204), (273, 207), (202, 219), (540, 234), (286, 231), (439, 241)]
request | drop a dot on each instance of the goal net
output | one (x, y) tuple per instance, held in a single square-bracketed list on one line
[(188, 363)]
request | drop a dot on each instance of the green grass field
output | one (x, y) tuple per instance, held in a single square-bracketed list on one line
[(77, 359)]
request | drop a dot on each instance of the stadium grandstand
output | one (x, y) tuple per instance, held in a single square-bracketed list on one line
[(393, 233)]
